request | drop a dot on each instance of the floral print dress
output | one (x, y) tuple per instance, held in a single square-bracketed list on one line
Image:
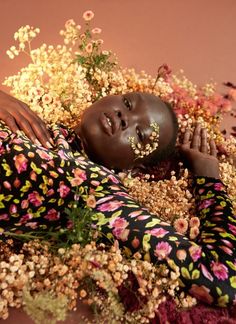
[(37, 184)]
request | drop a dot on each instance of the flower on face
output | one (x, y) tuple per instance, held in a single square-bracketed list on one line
[(91, 201), (158, 232), (181, 225), (21, 163), (96, 30), (220, 270), (162, 250), (79, 177), (89, 48), (110, 206), (35, 199), (88, 15)]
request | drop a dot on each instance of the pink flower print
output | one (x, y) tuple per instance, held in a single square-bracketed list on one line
[(4, 217), (50, 192), (218, 186), (158, 232), (113, 178), (143, 217), (226, 249), (121, 233), (118, 222), (232, 228), (33, 176), (220, 270), (13, 209), (110, 206), (3, 134), (195, 252), (95, 183), (135, 213), (21, 163), (79, 177), (102, 200), (7, 185), (206, 203), (16, 183), (63, 189), (24, 204), (52, 215), (205, 272), (32, 225), (162, 250), (228, 243), (43, 154), (24, 219), (35, 199)]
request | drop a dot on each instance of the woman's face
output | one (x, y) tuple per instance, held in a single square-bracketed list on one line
[(107, 126)]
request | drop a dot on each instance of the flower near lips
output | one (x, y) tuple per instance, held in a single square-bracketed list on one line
[(79, 177), (220, 270), (21, 163), (88, 15), (162, 250), (181, 225)]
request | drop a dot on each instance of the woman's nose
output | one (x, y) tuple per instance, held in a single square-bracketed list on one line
[(123, 120)]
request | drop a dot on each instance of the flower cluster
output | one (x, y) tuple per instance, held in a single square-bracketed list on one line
[(59, 83)]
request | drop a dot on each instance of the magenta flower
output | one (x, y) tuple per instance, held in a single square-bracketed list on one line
[(119, 222), (220, 270), (111, 206), (24, 219), (205, 272), (113, 178), (52, 215), (21, 163), (35, 199), (158, 232), (121, 233), (162, 250), (232, 228), (206, 203), (195, 252), (63, 190)]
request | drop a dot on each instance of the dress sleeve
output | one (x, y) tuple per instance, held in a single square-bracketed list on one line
[(207, 266)]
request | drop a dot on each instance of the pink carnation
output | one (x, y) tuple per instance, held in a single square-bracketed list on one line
[(162, 250), (35, 199), (220, 270)]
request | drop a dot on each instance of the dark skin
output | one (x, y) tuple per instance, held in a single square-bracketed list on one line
[(106, 126), (201, 161)]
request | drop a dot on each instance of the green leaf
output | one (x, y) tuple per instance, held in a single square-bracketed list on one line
[(153, 223), (219, 291), (195, 274), (185, 273)]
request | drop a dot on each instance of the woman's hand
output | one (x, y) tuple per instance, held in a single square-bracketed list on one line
[(200, 160), (18, 116)]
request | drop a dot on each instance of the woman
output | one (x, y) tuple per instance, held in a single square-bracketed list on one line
[(124, 131)]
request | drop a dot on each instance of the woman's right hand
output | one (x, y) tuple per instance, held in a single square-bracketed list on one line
[(200, 160), (18, 116)]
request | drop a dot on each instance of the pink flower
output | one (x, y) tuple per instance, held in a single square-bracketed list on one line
[(21, 163), (89, 48), (110, 206), (119, 222), (13, 209), (220, 270), (195, 252), (91, 201), (158, 232), (194, 222), (25, 218), (88, 15), (63, 190), (32, 225), (135, 213), (43, 154), (181, 254), (35, 199), (24, 204), (232, 228), (194, 231), (218, 186), (52, 215), (113, 178), (79, 177), (4, 217), (96, 30), (162, 250), (205, 272), (206, 203), (121, 233), (3, 134), (7, 185)]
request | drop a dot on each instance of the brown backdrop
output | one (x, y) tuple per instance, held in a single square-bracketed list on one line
[(198, 36)]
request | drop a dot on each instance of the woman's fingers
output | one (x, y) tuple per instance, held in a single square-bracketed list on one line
[(187, 135), (213, 149), (203, 146), (196, 137)]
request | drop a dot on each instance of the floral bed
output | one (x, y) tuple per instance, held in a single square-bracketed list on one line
[(44, 274)]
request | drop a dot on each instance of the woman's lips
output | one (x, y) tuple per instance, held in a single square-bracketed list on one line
[(109, 123)]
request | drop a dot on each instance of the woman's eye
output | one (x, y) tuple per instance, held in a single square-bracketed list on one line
[(127, 103), (140, 135)]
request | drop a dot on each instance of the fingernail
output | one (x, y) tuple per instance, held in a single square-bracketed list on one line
[(38, 143), (48, 145)]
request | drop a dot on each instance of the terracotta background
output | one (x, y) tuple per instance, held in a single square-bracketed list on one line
[(197, 36)]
